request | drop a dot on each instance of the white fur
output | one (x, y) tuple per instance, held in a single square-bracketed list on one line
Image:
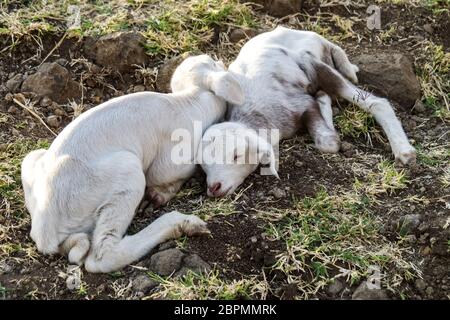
[(275, 70), (83, 191)]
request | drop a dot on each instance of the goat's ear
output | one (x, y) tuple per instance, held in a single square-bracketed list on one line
[(265, 152), (225, 85)]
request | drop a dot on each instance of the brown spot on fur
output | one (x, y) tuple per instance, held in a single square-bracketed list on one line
[(327, 57)]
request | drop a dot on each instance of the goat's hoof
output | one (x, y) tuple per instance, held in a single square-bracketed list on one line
[(155, 198), (328, 144), (407, 158), (194, 226)]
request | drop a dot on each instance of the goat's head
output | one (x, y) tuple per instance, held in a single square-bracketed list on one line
[(203, 72), (229, 154)]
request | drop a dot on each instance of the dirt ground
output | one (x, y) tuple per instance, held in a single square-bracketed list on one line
[(319, 231)]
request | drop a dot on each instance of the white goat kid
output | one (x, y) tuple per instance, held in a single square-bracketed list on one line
[(288, 77), (83, 191)]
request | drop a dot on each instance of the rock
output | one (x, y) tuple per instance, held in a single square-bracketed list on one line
[(428, 28), (60, 112), (426, 251), (143, 284), (239, 34), (9, 97), (139, 88), (166, 71), (73, 280), (46, 102), (419, 107), (347, 147), (61, 61), (166, 262), (409, 222), (280, 8), (391, 75), (54, 121), (429, 291), (277, 193), (5, 268), (196, 264), (167, 245), (14, 110), (299, 164), (363, 292), (54, 81), (14, 83), (420, 284), (119, 51), (335, 287)]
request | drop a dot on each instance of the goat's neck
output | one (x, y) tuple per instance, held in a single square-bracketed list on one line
[(204, 105)]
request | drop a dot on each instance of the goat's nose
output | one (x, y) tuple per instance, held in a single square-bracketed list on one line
[(215, 187)]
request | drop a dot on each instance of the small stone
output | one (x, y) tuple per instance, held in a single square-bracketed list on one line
[(61, 61), (429, 291), (14, 83), (54, 81), (167, 245), (410, 238), (347, 146), (299, 164), (420, 284), (5, 268), (419, 107), (426, 251), (14, 110), (73, 280), (335, 287), (253, 239), (409, 222), (239, 34), (277, 193), (363, 292), (195, 263), (139, 88), (119, 51), (60, 112), (143, 284), (428, 28), (166, 262), (9, 97), (46, 102), (54, 121), (20, 97)]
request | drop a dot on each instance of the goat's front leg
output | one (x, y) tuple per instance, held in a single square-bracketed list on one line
[(111, 253), (160, 195)]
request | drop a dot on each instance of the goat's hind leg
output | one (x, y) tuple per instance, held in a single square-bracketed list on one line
[(334, 83), (319, 122)]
